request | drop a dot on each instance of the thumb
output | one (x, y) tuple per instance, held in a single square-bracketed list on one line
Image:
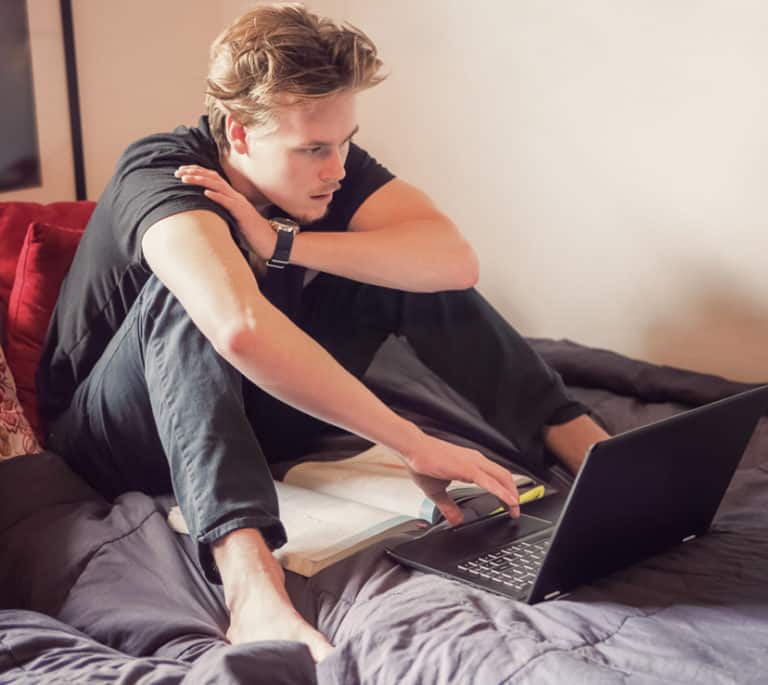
[(448, 508)]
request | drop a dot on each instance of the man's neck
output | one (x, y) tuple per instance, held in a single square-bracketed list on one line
[(240, 182)]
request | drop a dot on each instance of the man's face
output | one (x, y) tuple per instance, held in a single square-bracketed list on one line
[(300, 164)]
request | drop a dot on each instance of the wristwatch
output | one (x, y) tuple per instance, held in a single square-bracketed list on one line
[(286, 230)]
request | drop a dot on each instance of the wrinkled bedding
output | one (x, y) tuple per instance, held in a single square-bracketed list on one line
[(92, 591)]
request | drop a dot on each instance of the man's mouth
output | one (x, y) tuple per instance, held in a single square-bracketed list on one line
[(326, 196)]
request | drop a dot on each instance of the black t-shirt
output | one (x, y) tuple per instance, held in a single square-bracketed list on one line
[(109, 269)]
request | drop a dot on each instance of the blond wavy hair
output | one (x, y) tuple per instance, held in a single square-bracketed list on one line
[(283, 54)]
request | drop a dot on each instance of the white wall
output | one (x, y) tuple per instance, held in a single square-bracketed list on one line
[(141, 67), (607, 159)]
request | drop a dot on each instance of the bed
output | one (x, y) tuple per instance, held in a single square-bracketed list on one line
[(96, 591)]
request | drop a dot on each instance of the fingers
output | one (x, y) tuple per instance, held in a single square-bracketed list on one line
[(502, 475), (198, 175), (448, 508), (224, 200), (466, 465), (502, 488), (216, 188), (195, 170)]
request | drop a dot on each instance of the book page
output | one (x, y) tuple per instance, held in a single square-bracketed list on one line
[(376, 477), (322, 529)]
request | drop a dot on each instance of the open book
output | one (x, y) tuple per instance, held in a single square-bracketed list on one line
[(332, 509)]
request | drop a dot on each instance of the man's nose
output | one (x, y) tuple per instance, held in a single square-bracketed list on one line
[(333, 170)]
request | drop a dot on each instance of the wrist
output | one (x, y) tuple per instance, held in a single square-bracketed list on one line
[(286, 231), (260, 237), (409, 442)]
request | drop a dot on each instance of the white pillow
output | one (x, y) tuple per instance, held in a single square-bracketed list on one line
[(16, 436)]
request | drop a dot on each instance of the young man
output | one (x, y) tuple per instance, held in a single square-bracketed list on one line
[(189, 346)]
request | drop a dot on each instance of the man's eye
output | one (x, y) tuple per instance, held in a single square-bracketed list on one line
[(314, 150)]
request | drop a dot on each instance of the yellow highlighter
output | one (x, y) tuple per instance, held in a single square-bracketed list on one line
[(527, 496)]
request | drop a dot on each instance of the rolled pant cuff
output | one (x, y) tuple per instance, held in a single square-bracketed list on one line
[(567, 413), (270, 528)]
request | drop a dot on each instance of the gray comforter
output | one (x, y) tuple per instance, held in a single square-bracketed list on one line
[(92, 591)]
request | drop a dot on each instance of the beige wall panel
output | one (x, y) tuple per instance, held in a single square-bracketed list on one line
[(606, 159)]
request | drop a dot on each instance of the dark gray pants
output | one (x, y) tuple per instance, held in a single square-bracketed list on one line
[(161, 410)]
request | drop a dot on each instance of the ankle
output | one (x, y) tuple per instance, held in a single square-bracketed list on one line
[(570, 441), (248, 569)]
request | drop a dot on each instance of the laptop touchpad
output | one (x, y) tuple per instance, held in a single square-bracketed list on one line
[(470, 539)]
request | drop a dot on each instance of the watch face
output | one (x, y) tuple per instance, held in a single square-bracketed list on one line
[(282, 224)]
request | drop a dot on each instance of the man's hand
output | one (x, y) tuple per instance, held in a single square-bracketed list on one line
[(434, 463), (254, 589), (254, 228)]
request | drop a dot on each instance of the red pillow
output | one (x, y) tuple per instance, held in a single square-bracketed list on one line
[(15, 217), (44, 260)]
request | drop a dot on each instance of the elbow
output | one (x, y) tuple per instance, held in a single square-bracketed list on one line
[(236, 338), (468, 272), (459, 271)]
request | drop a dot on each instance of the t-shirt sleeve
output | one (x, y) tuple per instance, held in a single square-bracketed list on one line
[(144, 191), (364, 176)]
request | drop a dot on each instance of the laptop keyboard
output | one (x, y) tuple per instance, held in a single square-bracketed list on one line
[(515, 565)]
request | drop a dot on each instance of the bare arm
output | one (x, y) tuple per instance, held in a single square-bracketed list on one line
[(195, 257), (397, 238)]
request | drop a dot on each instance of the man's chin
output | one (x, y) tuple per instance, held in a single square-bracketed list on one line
[(306, 219)]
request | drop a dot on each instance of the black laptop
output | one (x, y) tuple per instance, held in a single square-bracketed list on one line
[(636, 494)]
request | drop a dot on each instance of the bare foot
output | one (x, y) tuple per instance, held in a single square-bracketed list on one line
[(571, 440), (267, 617), (254, 589)]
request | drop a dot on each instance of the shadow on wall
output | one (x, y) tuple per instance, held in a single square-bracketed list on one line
[(724, 330)]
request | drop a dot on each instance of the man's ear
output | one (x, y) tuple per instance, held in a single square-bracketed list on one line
[(236, 135)]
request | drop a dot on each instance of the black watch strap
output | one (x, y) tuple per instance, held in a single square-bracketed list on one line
[(282, 256)]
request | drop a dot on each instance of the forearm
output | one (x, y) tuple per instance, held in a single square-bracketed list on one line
[(418, 256), (196, 260), (396, 238), (283, 361)]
